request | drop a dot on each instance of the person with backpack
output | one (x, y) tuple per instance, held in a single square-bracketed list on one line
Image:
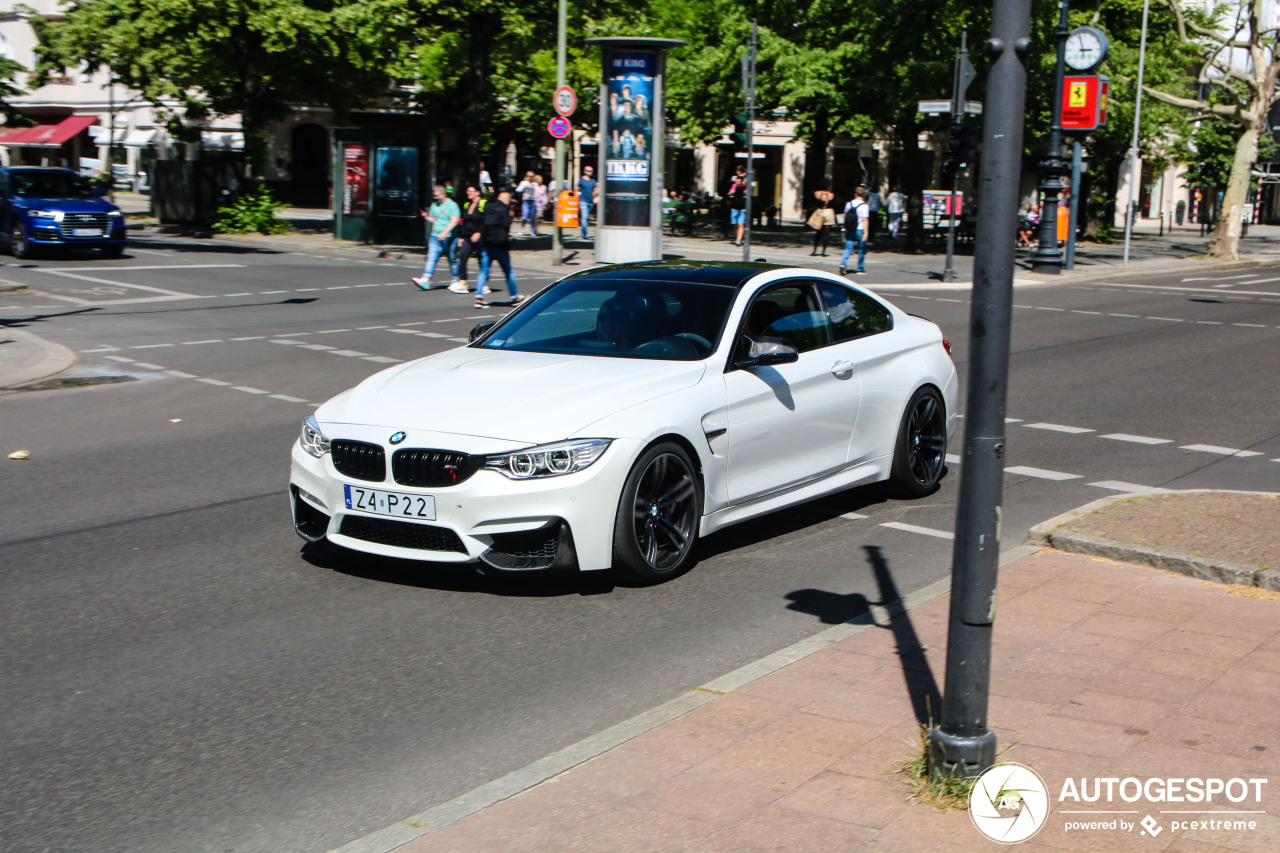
[(470, 234), (496, 237), (857, 215)]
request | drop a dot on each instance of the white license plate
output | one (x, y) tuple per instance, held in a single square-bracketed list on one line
[(86, 232), (413, 507)]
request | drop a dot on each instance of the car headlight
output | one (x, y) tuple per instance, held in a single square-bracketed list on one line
[(312, 439), (549, 460), (55, 215), (114, 213)]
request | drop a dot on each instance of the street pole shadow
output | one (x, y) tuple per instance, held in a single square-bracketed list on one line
[(855, 608)]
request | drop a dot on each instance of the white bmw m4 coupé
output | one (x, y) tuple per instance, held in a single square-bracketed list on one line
[(622, 413)]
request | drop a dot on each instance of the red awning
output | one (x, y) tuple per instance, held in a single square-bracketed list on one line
[(48, 135)]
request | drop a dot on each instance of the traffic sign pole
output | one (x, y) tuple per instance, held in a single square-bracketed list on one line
[(557, 245)]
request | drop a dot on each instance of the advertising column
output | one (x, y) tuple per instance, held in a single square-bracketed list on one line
[(631, 137)]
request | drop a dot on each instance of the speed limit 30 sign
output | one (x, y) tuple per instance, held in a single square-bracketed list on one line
[(565, 101)]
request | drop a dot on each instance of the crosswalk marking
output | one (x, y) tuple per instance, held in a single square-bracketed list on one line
[(1222, 451), (1136, 439), (1058, 428), (913, 528), (1128, 488), (1040, 473)]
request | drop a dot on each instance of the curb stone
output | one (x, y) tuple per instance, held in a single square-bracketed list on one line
[(1056, 533), (53, 359)]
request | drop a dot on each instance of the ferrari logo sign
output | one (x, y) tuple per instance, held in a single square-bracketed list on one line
[(1084, 103)]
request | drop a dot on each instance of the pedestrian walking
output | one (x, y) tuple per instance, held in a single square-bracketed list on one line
[(540, 196), (443, 218), (856, 216), (496, 239), (897, 205), (486, 181), (737, 198), (825, 219), (586, 197), (527, 192), (874, 204), (470, 237)]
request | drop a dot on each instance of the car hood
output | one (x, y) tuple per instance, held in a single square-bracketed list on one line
[(514, 396), (70, 205)]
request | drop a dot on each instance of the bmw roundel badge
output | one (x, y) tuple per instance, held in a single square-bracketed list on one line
[(398, 437)]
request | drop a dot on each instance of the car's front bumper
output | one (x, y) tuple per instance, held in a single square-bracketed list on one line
[(49, 232), (513, 525)]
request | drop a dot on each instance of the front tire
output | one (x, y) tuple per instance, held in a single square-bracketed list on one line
[(112, 252), (920, 453), (657, 523)]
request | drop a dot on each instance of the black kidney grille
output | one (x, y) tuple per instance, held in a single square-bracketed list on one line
[(418, 466), (401, 534), (359, 460)]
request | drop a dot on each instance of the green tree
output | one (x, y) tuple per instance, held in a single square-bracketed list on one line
[(254, 58), (9, 71), (1238, 66)]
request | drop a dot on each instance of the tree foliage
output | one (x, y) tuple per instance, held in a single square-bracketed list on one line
[(254, 58)]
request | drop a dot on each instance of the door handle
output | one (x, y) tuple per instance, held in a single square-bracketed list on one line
[(841, 367)]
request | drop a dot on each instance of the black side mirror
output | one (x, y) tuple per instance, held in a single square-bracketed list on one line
[(763, 352), (479, 329)]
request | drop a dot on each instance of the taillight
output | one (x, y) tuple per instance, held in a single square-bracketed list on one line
[(946, 345)]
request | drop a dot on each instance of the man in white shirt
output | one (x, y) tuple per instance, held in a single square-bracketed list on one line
[(856, 224), (897, 203)]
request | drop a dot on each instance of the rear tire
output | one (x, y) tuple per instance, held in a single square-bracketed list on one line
[(919, 456), (658, 514)]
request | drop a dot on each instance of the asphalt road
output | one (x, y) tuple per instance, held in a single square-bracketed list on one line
[(179, 676)]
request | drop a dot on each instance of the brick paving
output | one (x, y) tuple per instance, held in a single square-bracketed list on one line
[(1101, 669)]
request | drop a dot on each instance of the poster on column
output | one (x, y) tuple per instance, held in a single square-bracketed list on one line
[(628, 137), (355, 191), (397, 192)]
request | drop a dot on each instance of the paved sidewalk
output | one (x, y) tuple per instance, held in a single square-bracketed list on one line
[(1101, 669)]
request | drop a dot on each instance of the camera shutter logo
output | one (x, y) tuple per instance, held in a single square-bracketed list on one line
[(1009, 803)]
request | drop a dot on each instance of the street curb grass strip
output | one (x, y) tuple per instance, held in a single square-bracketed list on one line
[(1056, 533), (439, 816)]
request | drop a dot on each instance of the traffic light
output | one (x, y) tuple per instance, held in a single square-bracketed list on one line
[(741, 127), (961, 147)]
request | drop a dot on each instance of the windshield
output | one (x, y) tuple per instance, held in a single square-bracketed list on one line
[(620, 318), (51, 185)]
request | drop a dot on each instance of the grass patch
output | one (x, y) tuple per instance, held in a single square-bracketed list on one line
[(945, 793), (76, 382)]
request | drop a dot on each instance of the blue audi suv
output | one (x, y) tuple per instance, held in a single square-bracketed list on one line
[(47, 208)]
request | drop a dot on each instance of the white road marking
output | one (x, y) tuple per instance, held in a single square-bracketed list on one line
[(415, 323), (306, 289), (1011, 420), (208, 381), (912, 528), (852, 516), (170, 294), (1209, 322), (1260, 281), (1166, 319), (382, 359), (180, 374), (148, 365), (1077, 311), (229, 295), (1040, 473), (368, 285), (115, 357), (150, 346), (339, 287), (432, 335), (952, 459), (288, 342), (450, 320), (293, 335), (1251, 325), (370, 328), (1220, 277), (248, 390), (1128, 316), (287, 398), (1136, 439), (315, 346), (132, 268), (197, 343), (1058, 428), (255, 338), (271, 292), (1221, 451), (349, 353), (461, 340), (1193, 289), (332, 331), (1128, 488), (1046, 308), (403, 331)]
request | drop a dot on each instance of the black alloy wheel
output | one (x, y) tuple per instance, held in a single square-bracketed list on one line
[(658, 515), (920, 453)]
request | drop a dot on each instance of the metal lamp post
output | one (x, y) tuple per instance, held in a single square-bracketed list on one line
[(1048, 258)]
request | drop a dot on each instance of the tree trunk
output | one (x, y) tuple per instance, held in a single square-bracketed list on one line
[(1225, 244), (913, 178)]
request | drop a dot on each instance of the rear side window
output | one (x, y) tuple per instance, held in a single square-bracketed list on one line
[(853, 314)]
